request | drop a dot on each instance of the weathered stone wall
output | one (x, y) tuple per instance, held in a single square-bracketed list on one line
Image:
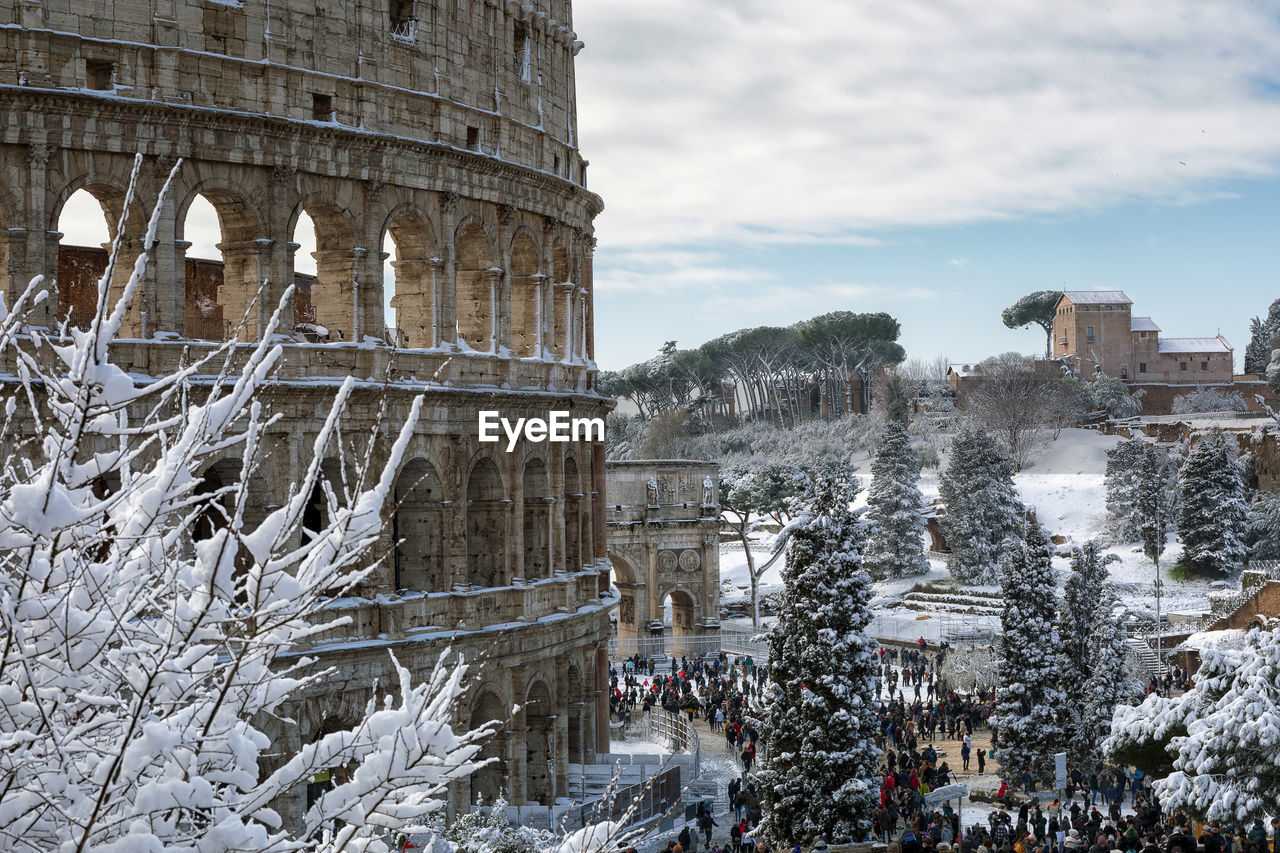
[(449, 126)]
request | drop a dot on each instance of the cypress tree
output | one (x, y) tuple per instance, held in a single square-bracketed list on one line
[(1028, 698), (984, 515), (1123, 462), (1212, 516), (1108, 685), (1077, 617), (820, 775), (895, 547)]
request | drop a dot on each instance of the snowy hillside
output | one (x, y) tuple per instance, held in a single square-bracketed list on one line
[(1063, 483)]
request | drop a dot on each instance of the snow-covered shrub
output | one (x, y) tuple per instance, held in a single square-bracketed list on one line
[(137, 661), (1114, 397), (1208, 400)]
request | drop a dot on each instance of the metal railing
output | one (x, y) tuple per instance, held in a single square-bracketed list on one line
[(404, 29), (734, 642), (679, 732)]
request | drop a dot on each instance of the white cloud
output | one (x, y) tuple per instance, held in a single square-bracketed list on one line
[(958, 262), (822, 120)]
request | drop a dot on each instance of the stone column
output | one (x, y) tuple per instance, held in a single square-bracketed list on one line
[(369, 318), (561, 757), (245, 294), (166, 274), (277, 249), (415, 301), (518, 794), (41, 252), (447, 314), (602, 699)]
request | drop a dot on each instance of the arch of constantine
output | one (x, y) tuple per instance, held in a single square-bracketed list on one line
[(452, 128), (663, 543)]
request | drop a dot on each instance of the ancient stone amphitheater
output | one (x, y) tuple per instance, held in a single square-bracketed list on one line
[(450, 125)]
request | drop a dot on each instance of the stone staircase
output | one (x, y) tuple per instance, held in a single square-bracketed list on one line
[(1146, 657), (952, 602)]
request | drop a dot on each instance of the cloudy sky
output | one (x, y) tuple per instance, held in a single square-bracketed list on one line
[(764, 162)]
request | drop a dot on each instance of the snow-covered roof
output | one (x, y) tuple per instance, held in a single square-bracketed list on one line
[(1194, 345), (1143, 324), (1097, 297), (970, 369), (1228, 638)]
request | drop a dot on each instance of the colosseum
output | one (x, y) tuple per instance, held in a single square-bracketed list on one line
[(449, 125)]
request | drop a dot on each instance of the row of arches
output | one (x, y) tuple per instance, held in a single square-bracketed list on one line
[(550, 728), (441, 541), (554, 724), (411, 268)]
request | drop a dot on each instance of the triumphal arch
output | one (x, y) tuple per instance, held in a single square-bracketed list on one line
[(663, 522), (452, 128)]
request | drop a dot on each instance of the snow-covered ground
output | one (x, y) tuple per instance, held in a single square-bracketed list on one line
[(1064, 484)]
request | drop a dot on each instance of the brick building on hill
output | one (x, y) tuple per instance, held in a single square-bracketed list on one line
[(1098, 327)]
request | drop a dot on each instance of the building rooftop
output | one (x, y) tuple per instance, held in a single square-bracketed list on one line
[(1194, 345), (1093, 297), (1143, 324)]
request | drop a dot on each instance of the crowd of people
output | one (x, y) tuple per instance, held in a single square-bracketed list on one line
[(916, 710), (721, 690)]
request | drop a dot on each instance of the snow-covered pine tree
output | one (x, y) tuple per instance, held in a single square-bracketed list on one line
[(820, 778), (1221, 734), (133, 665), (983, 523), (1109, 683), (1028, 696), (1076, 619), (1123, 462), (895, 546), (1212, 516)]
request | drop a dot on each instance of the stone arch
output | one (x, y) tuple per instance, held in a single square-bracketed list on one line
[(683, 622), (220, 293), (477, 278), (417, 528), (413, 293), (527, 284), (576, 526), (335, 775), (80, 267), (315, 514), (489, 782), (486, 525), (539, 734), (332, 296), (537, 500)]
